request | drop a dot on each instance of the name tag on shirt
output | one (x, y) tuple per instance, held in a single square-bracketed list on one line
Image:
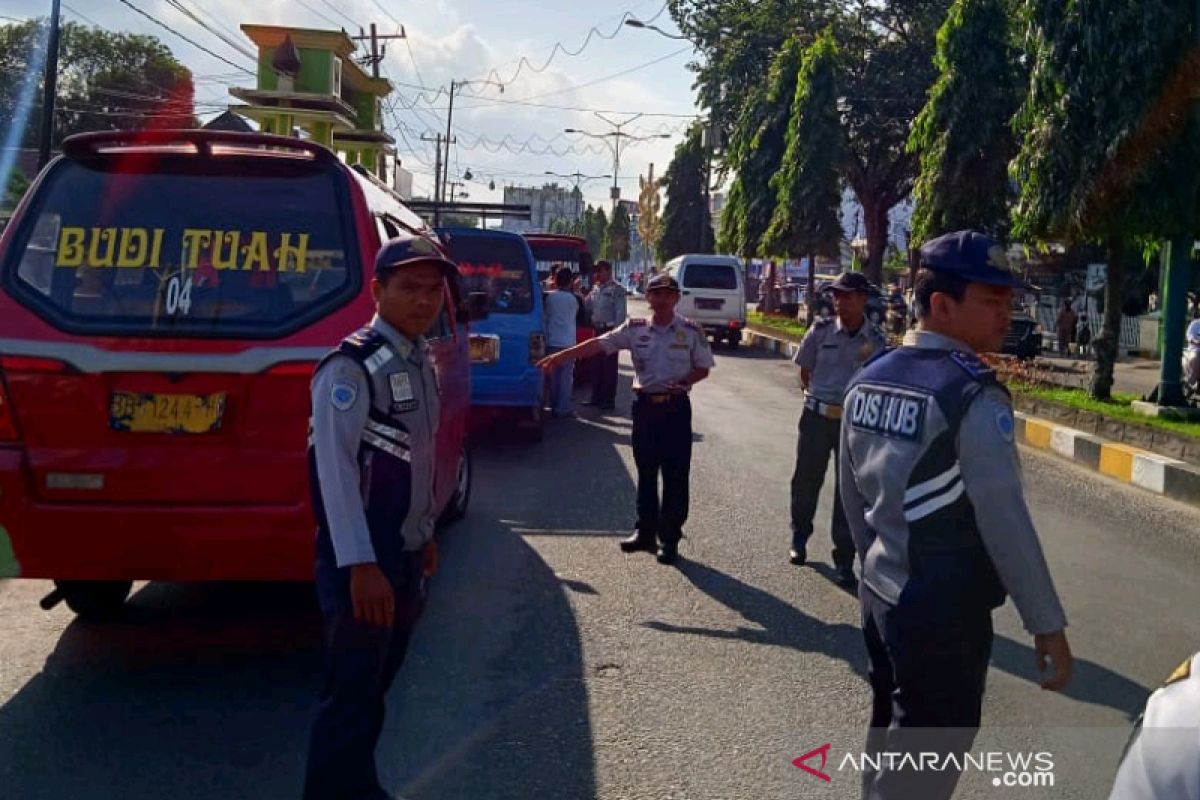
[(891, 414), (403, 398)]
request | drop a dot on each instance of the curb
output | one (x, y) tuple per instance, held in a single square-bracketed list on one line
[(780, 347), (1162, 475)]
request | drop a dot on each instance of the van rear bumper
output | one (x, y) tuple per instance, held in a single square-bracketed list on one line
[(95, 541), (523, 390)]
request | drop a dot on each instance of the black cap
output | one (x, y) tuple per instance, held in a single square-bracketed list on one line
[(409, 250), (850, 282), (972, 256), (662, 281)]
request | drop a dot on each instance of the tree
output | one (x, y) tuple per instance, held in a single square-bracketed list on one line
[(732, 236), (686, 226), (887, 53), (597, 230), (757, 149), (1109, 147), (964, 135), (807, 188), (106, 81), (616, 243), (18, 184), (649, 225)]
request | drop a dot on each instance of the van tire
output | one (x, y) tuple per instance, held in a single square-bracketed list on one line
[(95, 600), (531, 424), (456, 509)]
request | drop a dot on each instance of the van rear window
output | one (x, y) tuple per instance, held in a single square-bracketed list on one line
[(245, 250), (710, 276), (498, 266)]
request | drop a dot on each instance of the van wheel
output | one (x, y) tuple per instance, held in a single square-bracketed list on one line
[(531, 424), (456, 509), (95, 600)]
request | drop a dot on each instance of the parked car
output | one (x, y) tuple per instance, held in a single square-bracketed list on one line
[(164, 297), (713, 294), (1024, 337), (505, 347)]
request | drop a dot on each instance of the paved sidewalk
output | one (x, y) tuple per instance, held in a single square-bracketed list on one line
[(1136, 376)]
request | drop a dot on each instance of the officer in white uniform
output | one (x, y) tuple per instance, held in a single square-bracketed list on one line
[(670, 355), (1162, 761), (608, 307)]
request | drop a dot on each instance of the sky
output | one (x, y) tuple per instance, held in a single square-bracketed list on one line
[(634, 71)]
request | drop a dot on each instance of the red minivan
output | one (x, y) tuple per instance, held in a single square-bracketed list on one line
[(164, 297)]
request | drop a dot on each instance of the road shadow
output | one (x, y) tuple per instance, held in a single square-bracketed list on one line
[(778, 624), (1090, 683), (207, 691)]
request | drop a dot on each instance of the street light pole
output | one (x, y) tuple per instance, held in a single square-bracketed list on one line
[(579, 179), (51, 87), (454, 87), (615, 146)]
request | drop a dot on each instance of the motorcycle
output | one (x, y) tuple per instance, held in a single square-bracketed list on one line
[(1191, 365)]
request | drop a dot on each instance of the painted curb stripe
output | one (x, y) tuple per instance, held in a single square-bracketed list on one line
[(1116, 460)]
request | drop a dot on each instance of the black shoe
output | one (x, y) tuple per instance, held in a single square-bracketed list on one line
[(668, 553), (844, 576), (798, 557), (591, 403), (637, 542)]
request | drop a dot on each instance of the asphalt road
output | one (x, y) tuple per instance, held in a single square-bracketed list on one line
[(551, 665)]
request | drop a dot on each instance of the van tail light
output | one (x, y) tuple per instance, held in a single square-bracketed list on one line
[(734, 324), (537, 347), (10, 365), (292, 369)]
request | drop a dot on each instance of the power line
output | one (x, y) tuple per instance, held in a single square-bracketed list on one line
[(232, 43), (338, 11), (91, 22), (312, 10), (558, 47), (620, 74), (193, 43)]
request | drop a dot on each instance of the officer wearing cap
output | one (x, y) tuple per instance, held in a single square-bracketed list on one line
[(371, 459), (930, 482), (830, 353), (670, 355), (607, 303), (1162, 760)]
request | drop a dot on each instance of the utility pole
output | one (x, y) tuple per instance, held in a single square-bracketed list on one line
[(437, 177), (450, 139), (374, 59), (51, 87)]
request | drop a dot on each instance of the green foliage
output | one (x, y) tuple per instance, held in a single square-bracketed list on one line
[(1108, 150), (686, 227), (731, 238), (595, 229), (106, 81), (807, 189), (18, 184), (616, 241), (964, 135)]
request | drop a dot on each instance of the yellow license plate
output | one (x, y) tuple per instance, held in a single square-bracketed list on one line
[(165, 413), (484, 349)]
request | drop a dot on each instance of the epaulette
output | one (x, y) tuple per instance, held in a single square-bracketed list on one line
[(821, 322), (971, 364), (637, 322), (365, 338), (691, 323), (1182, 673)]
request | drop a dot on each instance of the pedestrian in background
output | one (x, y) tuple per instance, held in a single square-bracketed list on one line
[(608, 306), (830, 353), (1064, 327), (670, 356), (562, 309), (371, 461), (931, 485)]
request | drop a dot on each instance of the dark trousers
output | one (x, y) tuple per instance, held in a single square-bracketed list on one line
[(819, 437), (360, 663), (604, 380), (662, 442), (928, 667)]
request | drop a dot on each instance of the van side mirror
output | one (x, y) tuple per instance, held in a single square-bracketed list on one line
[(477, 306)]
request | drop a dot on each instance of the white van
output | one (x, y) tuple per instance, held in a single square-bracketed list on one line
[(714, 294)]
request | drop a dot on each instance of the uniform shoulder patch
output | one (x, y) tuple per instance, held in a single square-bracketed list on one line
[(1181, 673), (342, 394), (971, 364), (637, 322)]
